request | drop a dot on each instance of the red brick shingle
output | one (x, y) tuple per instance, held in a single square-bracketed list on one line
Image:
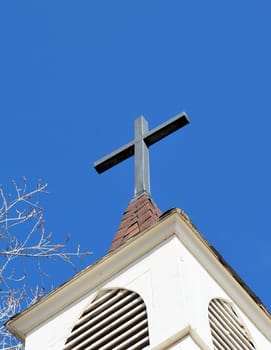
[(140, 214)]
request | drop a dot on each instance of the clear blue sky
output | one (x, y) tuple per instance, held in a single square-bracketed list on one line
[(75, 74)]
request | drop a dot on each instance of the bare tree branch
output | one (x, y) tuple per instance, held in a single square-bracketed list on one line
[(24, 244)]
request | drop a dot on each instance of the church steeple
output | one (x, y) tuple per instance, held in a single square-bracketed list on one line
[(162, 286)]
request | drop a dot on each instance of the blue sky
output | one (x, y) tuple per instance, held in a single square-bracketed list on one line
[(75, 74)]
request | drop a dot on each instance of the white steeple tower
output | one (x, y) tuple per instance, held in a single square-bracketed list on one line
[(161, 286)]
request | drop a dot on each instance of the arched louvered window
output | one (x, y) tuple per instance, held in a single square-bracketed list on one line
[(228, 330), (116, 319)]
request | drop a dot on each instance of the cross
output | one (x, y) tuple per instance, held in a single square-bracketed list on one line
[(139, 147)]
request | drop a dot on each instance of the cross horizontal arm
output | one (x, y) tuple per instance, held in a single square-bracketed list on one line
[(166, 129), (115, 157), (149, 137)]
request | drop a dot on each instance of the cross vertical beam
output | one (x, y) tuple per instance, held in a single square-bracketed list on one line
[(143, 139), (142, 163)]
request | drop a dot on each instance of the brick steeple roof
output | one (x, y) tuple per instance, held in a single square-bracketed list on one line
[(140, 214)]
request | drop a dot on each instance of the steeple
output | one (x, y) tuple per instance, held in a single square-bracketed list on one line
[(161, 286)]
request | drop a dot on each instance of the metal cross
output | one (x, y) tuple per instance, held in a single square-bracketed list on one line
[(139, 148)]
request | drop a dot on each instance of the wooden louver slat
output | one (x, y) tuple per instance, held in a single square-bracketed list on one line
[(116, 319), (227, 329)]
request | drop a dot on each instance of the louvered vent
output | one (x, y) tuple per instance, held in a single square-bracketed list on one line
[(228, 330), (116, 319)]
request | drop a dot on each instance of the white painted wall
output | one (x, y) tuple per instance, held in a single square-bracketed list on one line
[(187, 344), (176, 290)]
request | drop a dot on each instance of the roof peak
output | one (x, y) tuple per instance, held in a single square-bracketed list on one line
[(140, 214)]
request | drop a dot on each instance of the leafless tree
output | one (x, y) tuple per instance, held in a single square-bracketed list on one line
[(24, 245)]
